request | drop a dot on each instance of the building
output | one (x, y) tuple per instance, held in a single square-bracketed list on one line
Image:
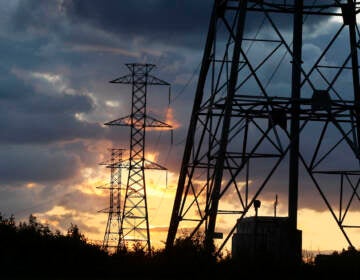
[(266, 239)]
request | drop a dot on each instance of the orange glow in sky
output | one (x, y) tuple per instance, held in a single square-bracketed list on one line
[(319, 230), (170, 118)]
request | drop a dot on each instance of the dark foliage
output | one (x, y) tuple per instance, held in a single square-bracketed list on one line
[(32, 251), (345, 263)]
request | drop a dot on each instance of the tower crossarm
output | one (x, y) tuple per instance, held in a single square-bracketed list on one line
[(151, 80), (262, 107), (324, 7), (149, 122), (153, 165), (127, 79), (119, 164)]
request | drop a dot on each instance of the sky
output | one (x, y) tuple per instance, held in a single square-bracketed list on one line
[(57, 58)]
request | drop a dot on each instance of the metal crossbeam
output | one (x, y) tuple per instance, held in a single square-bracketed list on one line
[(252, 129)]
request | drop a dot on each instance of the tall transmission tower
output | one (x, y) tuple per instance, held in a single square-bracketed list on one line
[(276, 108), (113, 240), (135, 218)]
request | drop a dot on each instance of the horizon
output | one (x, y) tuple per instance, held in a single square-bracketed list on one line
[(58, 58)]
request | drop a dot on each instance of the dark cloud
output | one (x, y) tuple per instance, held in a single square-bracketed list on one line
[(86, 203), (36, 164), (65, 221), (154, 19), (31, 15), (19, 200), (32, 117), (172, 22)]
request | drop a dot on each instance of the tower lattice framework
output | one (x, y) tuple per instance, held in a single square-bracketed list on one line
[(135, 218), (276, 109), (112, 238)]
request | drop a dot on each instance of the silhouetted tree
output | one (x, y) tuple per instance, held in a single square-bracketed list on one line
[(31, 248)]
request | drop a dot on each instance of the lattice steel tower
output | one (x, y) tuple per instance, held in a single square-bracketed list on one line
[(112, 238), (135, 220), (276, 106)]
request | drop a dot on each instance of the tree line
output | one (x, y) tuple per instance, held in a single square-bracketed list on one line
[(32, 250)]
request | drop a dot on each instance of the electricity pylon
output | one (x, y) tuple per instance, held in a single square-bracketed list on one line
[(277, 100), (135, 219), (113, 241)]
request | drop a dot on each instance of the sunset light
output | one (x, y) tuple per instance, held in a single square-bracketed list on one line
[(133, 126)]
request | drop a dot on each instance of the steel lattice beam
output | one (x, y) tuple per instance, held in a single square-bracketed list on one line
[(135, 217), (248, 125), (113, 239)]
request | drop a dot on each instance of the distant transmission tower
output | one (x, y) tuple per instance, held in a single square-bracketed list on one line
[(268, 112), (112, 237), (135, 220)]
